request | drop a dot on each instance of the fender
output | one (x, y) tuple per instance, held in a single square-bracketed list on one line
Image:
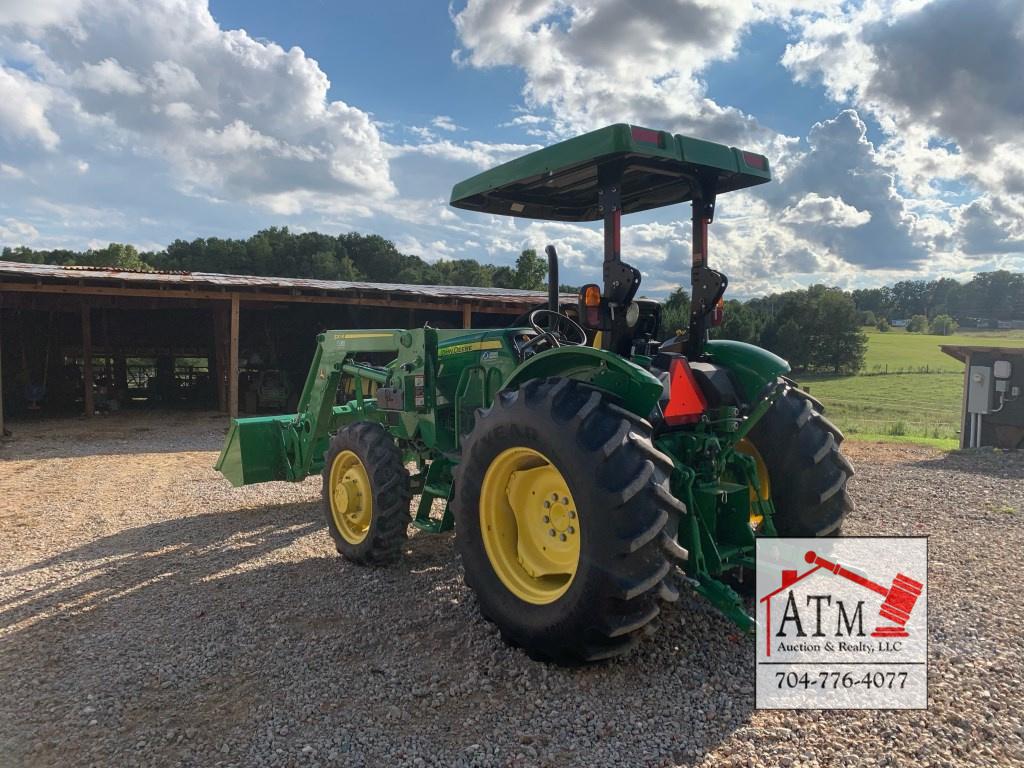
[(637, 389), (753, 368)]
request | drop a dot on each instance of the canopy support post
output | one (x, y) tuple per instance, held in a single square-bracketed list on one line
[(707, 285), (621, 280)]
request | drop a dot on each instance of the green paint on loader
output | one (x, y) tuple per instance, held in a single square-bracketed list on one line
[(590, 471)]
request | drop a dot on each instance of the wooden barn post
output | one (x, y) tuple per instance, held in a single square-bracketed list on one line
[(87, 358), (1, 369), (233, 360)]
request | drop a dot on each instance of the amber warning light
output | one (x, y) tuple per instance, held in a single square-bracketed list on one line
[(590, 299), (718, 313)]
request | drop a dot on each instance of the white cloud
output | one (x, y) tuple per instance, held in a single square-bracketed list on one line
[(11, 172), (108, 76), (477, 153), (593, 62), (37, 13), (943, 80), (233, 117), (992, 225), (432, 251), (812, 208), (525, 119), (14, 232), (23, 105), (173, 80), (856, 212), (445, 123)]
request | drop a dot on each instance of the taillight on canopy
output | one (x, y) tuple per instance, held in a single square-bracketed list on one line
[(645, 135), (686, 402), (755, 161)]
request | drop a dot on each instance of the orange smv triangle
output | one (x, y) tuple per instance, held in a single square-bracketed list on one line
[(685, 401)]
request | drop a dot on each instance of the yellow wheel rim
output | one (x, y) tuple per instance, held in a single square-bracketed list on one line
[(351, 497), (763, 490), (530, 525)]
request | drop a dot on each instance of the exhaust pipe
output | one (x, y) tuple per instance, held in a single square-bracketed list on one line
[(553, 298)]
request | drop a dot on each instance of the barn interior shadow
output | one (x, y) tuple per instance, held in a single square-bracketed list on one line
[(113, 434)]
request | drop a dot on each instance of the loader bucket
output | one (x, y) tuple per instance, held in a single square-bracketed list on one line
[(254, 450)]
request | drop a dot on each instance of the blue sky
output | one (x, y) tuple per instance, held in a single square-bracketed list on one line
[(147, 120)]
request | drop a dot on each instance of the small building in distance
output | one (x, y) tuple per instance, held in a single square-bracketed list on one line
[(993, 400), (82, 339)]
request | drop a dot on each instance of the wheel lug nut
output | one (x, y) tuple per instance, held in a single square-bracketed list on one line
[(571, 529), (565, 499), (547, 519), (547, 504), (551, 532), (562, 537), (572, 514), (554, 497)]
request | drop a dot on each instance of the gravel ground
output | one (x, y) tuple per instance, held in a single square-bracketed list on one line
[(152, 615)]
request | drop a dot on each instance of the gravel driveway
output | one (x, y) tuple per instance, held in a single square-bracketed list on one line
[(152, 615)]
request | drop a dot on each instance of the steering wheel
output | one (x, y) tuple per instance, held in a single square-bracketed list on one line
[(554, 336)]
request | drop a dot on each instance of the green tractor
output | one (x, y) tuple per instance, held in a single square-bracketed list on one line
[(588, 470)]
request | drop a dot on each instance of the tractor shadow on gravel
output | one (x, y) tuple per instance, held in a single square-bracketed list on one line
[(195, 546), (228, 636), (1002, 465)]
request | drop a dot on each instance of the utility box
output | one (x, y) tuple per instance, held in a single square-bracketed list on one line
[(979, 389), (993, 401)]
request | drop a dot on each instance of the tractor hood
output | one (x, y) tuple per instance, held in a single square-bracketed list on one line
[(560, 182)]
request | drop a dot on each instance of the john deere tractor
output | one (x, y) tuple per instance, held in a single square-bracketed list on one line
[(589, 471)]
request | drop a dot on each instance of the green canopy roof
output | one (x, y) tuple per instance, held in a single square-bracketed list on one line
[(560, 182)]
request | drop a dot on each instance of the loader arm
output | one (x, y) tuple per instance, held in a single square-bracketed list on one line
[(291, 447)]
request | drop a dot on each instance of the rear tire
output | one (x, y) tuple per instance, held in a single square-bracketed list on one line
[(625, 516), (808, 472), (369, 517)]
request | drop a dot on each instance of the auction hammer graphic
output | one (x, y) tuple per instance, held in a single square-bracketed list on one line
[(899, 598)]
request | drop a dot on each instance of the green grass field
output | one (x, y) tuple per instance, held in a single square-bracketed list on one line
[(898, 351), (909, 390)]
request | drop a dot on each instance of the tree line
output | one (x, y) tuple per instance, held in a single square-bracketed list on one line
[(817, 329), (995, 295), (820, 329), (278, 252)]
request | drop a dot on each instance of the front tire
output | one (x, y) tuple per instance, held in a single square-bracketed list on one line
[(807, 471), (366, 494), (578, 578)]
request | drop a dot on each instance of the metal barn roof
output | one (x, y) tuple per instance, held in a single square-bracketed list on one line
[(110, 277)]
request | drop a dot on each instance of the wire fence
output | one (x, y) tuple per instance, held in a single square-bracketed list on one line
[(897, 405), (901, 427), (887, 370)]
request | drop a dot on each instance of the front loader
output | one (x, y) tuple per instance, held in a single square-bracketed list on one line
[(589, 471)]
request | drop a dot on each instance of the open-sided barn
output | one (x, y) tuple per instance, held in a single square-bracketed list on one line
[(87, 338)]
